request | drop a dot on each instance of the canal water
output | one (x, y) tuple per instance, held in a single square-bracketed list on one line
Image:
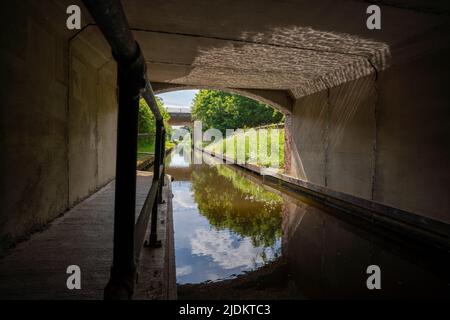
[(224, 224), (230, 226)]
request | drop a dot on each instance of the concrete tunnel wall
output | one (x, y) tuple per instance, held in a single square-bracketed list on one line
[(92, 118), (385, 139), (56, 150)]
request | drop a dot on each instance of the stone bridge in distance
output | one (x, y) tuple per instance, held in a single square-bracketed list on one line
[(180, 116)]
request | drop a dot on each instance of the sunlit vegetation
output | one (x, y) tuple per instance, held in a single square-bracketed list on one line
[(147, 119), (147, 127), (253, 154), (146, 144), (221, 110)]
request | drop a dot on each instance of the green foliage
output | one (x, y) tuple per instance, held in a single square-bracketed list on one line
[(221, 110), (147, 119), (146, 144), (147, 125)]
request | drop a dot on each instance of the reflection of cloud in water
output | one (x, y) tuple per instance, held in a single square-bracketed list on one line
[(221, 246), (184, 271), (212, 276), (184, 200)]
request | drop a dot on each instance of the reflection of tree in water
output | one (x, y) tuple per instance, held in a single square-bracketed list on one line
[(230, 201)]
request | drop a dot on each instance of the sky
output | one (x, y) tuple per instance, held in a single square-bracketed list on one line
[(178, 99)]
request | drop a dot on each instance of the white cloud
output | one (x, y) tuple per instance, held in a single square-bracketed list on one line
[(180, 98)]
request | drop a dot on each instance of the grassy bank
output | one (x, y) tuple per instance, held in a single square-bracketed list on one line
[(146, 145), (253, 145)]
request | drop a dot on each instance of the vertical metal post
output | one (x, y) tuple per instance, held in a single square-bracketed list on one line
[(123, 272), (163, 156), (158, 144), (153, 240)]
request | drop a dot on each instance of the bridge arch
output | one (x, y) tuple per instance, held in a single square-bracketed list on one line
[(277, 99)]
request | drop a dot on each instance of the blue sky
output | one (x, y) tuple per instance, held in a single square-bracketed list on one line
[(178, 99)]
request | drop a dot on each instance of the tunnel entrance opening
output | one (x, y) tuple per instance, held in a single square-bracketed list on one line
[(237, 128)]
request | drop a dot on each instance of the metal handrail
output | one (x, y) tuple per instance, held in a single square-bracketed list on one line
[(132, 83), (149, 97), (158, 166)]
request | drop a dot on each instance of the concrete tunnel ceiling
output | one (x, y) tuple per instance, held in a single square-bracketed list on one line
[(300, 47)]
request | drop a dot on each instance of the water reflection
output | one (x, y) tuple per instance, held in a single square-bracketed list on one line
[(224, 224), (231, 202), (329, 257), (228, 222)]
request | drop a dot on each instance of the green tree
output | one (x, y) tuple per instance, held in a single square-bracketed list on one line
[(221, 110), (147, 119)]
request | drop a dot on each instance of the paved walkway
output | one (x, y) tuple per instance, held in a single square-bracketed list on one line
[(36, 269)]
